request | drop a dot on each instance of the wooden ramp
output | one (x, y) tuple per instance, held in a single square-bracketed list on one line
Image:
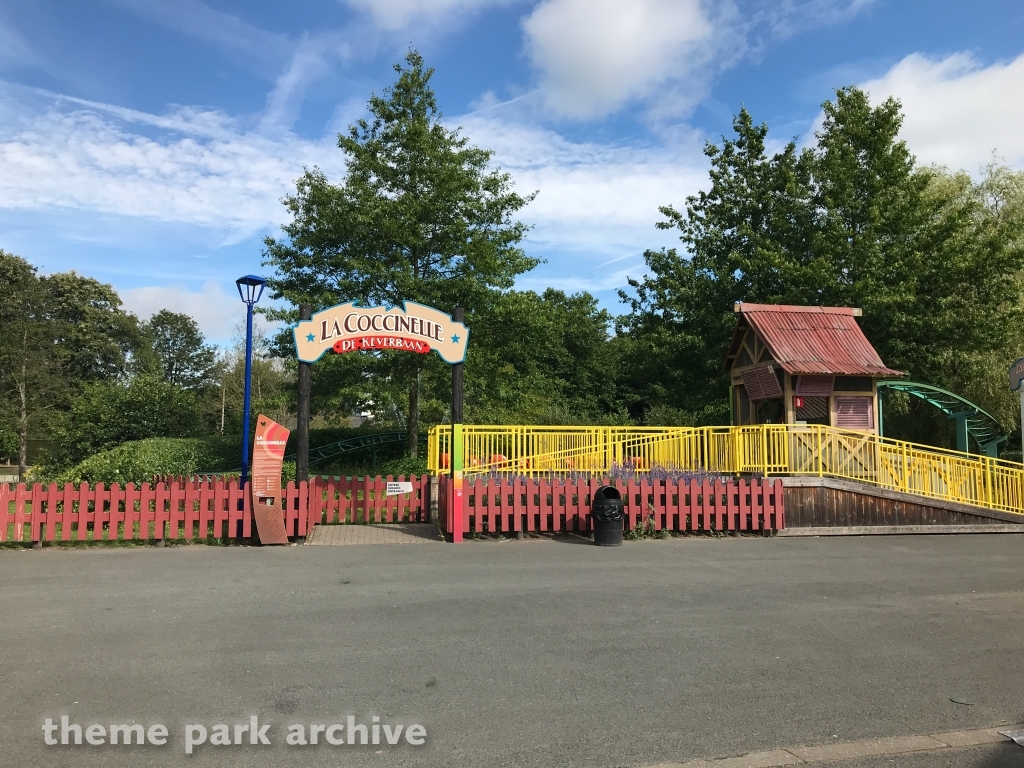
[(823, 506)]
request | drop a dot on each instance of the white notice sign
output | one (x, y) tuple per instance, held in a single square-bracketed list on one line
[(394, 489)]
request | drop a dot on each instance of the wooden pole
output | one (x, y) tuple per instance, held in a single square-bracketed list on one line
[(458, 316), (302, 415)]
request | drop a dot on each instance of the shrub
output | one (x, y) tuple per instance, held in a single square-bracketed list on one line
[(403, 466), (109, 414), (138, 461)]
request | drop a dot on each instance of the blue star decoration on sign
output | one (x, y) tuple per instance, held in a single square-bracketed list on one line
[(455, 339), (310, 337)]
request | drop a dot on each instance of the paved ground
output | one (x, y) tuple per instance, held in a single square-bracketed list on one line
[(534, 653), (398, 533)]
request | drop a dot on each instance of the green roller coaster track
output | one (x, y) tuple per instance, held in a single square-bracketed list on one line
[(354, 444), (342, 447), (971, 420)]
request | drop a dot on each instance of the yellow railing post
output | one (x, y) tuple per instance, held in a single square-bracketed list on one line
[(904, 482), (819, 449), (989, 481)]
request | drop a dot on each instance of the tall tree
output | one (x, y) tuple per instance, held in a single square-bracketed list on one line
[(749, 236), (29, 373), (96, 339), (420, 216), (852, 221), (182, 356)]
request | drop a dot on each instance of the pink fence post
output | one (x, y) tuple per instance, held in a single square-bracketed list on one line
[(6, 518), (459, 516), (757, 500)]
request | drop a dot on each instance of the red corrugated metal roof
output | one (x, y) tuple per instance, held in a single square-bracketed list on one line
[(825, 340)]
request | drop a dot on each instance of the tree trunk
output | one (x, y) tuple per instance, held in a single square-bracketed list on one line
[(223, 403), (22, 427), (414, 416)]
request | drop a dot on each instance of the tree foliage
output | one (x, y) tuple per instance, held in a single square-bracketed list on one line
[(420, 216), (181, 355), (108, 413), (932, 258)]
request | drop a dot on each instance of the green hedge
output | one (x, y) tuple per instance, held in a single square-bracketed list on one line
[(139, 460)]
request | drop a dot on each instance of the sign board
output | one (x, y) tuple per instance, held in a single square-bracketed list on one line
[(267, 499), (394, 489), (1016, 374), (351, 328)]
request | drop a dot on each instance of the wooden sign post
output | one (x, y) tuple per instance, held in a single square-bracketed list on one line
[(267, 499)]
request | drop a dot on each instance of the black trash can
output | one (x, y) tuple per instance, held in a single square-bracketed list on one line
[(606, 512)]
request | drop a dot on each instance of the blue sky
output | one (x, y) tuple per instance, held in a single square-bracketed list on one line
[(148, 142)]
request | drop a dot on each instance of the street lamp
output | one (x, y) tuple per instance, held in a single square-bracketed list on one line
[(250, 288)]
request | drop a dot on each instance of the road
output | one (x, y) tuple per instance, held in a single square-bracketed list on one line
[(534, 653)]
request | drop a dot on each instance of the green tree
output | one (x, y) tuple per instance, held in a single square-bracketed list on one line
[(273, 385), (540, 358), (108, 413), (95, 339), (748, 237), (30, 380), (850, 221), (420, 217), (182, 356)]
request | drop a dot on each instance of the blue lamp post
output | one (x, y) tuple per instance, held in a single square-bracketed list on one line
[(250, 288)]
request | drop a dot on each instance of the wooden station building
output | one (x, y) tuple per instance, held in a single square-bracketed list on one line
[(803, 365)]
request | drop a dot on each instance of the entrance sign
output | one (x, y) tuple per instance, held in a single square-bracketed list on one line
[(396, 489), (351, 328), (267, 499)]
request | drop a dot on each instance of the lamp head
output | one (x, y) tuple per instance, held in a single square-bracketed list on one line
[(250, 288)]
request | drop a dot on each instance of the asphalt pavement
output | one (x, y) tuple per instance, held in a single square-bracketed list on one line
[(517, 653)]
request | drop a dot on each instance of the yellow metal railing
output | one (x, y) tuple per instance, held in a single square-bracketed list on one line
[(767, 449)]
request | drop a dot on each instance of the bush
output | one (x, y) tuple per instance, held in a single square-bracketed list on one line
[(109, 414), (1011, 456), (140, 460), (404, 466)]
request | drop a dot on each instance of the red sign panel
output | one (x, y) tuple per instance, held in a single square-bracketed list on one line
[(267, 458), (372, 343)]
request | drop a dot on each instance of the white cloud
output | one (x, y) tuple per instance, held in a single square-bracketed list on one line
[(190, 165), (216, 311), (597, 203), (313, 56), (394, 15), (597, 55), (956, 110)]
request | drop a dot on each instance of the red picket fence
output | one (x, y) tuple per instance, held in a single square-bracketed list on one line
[(499, 505), (194, 508), (364, 500)]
